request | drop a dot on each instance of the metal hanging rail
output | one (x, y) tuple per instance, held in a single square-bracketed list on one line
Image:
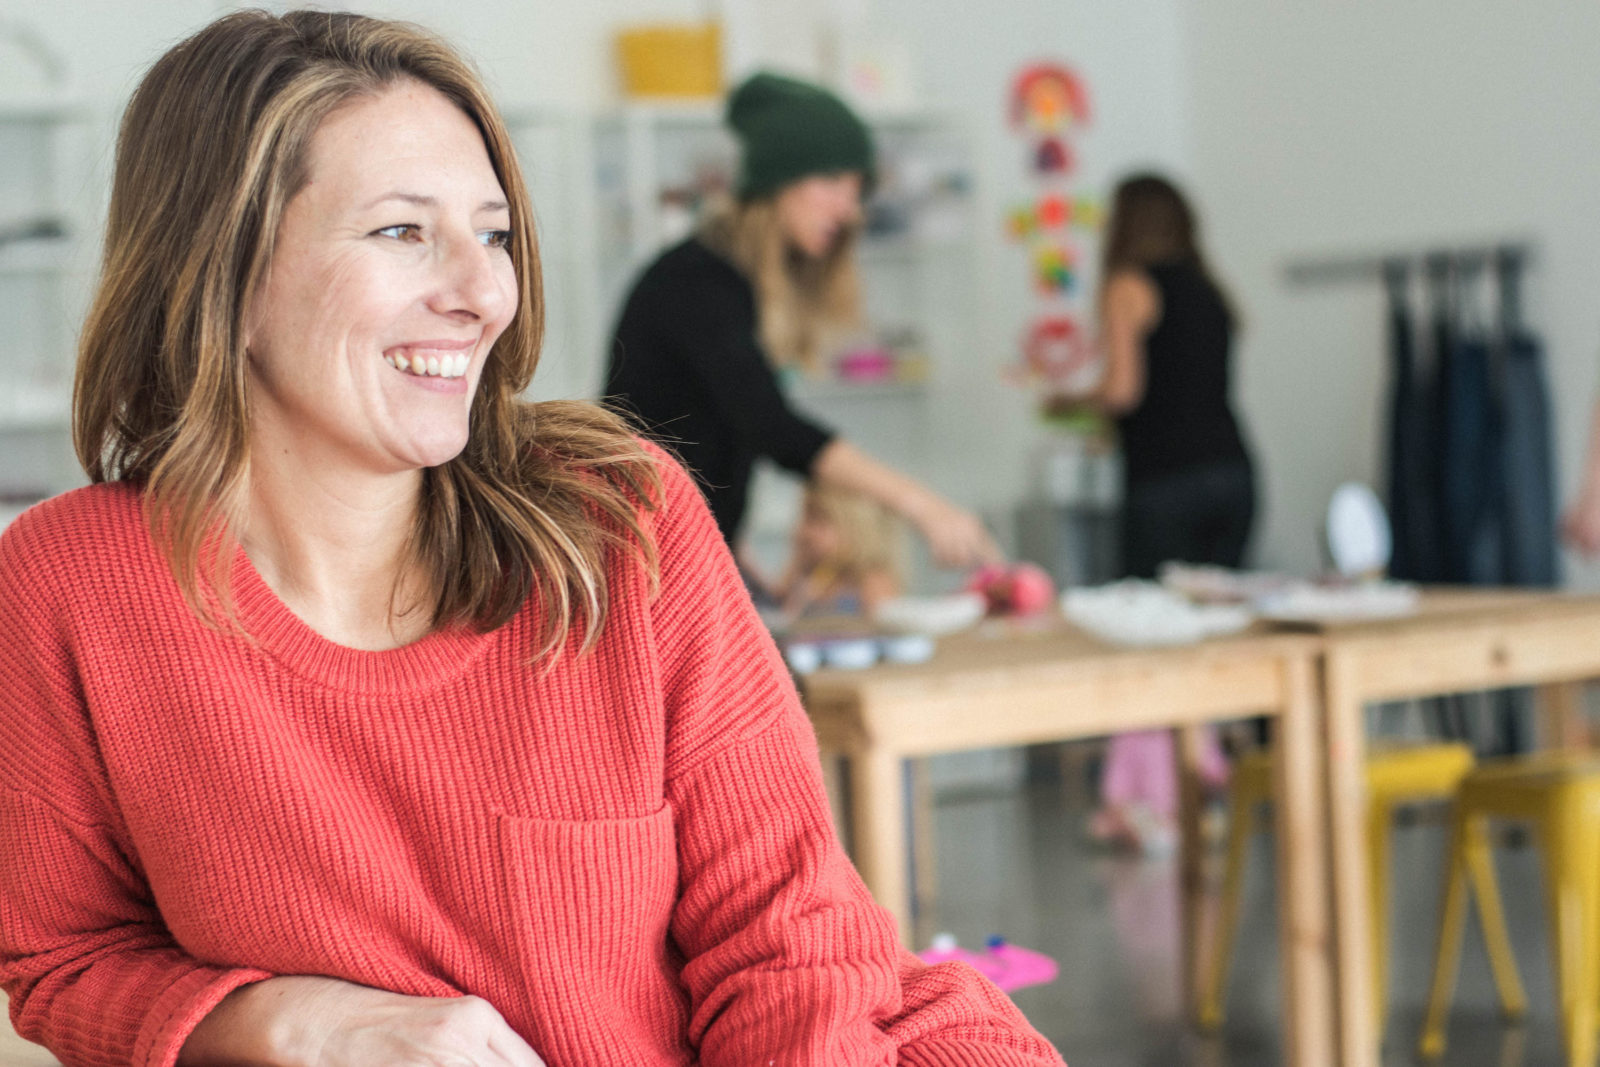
[(1329, 270)]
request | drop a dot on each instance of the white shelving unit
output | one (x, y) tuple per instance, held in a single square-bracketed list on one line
[(42, 153)]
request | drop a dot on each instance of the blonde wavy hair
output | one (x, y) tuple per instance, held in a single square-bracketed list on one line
[(802, 302), (212, 148), (871, 537)]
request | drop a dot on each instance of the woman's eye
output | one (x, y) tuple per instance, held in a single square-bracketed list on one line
[(495, 238), (404, 231)]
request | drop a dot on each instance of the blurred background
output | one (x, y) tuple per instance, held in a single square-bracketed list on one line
[(1319, 142), (1303, 135)]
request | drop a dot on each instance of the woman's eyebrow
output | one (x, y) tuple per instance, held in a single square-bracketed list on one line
[(420, 200)]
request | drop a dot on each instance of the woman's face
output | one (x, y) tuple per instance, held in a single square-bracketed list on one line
[(818, 536), (814, 211), (390, 280)]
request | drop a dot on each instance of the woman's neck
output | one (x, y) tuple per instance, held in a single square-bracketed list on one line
[(335, 550)]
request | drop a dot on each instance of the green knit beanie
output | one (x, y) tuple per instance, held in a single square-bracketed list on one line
[(791, 130)]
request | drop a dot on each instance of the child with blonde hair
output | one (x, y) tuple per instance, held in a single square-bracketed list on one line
[(846, 555)]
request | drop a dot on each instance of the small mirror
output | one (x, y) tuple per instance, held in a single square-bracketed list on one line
[(1359, 540)]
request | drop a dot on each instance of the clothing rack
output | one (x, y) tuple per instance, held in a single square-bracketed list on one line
[(1326, 270)]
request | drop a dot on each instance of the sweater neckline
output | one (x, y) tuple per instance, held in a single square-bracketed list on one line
[(432, 659)]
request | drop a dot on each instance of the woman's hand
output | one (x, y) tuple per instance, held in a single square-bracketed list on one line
[(955, 536), (306, 1021)]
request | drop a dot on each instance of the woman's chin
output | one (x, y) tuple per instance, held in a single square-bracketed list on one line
[(435, 452)]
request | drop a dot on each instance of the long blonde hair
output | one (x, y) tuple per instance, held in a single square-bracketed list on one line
[(802, 302), (212, 148)]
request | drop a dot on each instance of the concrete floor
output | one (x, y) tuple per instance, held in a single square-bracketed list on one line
[(1017, 864)]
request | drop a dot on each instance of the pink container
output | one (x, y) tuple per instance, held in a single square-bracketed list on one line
[(865, 365)]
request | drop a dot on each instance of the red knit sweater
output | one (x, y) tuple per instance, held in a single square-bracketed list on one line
[(629, 855)]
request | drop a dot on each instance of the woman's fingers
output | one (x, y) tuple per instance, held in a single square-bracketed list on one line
[(959, 539), (514, 1051)]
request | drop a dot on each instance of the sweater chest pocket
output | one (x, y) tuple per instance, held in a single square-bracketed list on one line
[(592, 902)]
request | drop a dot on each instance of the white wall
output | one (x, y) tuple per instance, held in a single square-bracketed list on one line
[(1373, 127)]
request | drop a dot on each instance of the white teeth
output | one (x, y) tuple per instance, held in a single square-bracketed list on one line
[(434, 366)]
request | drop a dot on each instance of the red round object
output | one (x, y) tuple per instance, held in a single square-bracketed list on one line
[(1018, 589)]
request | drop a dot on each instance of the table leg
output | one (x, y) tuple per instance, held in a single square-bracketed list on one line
[(877, 801), (1303, 919), (1563, 722), (924, 852), (1347, 802), (833, 784), (1191, 860)]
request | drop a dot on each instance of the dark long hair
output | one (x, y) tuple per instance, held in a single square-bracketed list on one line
[(1152, 225)]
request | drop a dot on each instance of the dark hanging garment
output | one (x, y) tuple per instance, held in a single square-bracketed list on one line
[(1527, 479), (1443, 330), (1413, 512), (1470, 452)]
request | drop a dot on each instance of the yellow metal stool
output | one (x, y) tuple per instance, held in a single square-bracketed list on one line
[(1559, 794), (1395, 775)]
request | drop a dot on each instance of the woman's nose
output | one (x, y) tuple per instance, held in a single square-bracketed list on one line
[(473, 282)]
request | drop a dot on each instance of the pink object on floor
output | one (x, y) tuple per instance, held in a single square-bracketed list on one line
[(1007, 966)]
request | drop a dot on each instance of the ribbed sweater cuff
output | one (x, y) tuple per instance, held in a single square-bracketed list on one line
[(179, 1009), (956, 1053)]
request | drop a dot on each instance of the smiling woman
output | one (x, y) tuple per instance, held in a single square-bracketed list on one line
[(362, 714)]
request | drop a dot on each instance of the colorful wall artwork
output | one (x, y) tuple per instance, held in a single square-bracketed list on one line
[(1049, 105)]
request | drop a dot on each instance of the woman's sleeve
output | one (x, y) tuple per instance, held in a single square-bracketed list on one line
[(788, 959), (91, 970), (715, 332)]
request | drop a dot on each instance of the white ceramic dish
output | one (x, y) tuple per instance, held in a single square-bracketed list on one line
[(932, 615), (803, 657), (906, 648), (850, 654)]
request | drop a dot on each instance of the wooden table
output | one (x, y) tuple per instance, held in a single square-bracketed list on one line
[(1019, 685), (1456, 642)]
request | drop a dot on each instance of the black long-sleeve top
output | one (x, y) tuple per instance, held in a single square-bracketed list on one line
[(687, 362)]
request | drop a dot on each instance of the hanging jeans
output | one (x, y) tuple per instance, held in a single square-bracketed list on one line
[(1412, 485), (1469, 491), (1528, 516)]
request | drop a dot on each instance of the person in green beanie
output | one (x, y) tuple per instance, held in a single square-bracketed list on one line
[(764, 283)]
